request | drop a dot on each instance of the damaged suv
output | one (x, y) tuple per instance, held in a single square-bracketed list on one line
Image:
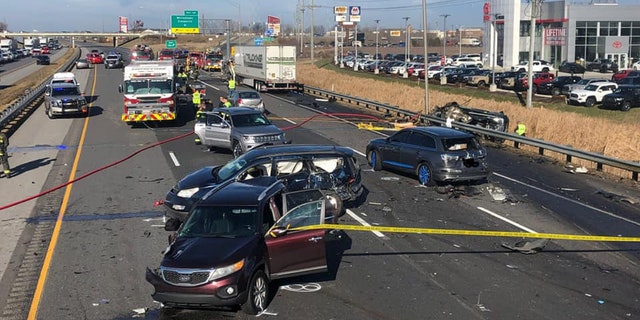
[(236, 240), (434, 154), (300, 167)]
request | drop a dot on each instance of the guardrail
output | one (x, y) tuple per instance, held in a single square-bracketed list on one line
[(599, 159), (18, 105)]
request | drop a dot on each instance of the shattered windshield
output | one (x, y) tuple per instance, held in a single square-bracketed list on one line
[(231, 168)]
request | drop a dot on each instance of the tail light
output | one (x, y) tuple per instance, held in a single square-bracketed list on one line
[(239, 101)]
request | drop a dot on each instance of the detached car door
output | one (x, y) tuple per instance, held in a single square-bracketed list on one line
[(293, 253), (217, 132)]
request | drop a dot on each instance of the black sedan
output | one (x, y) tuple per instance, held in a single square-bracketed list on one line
[(554, 87), (571, 67), (434, 154), (43, 60)]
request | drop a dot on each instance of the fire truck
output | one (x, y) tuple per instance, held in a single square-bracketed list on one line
[(149, 92)]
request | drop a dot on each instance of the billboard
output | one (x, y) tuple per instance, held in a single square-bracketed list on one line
[(123, 22), (273, 26), (354, 13), (555, 36)]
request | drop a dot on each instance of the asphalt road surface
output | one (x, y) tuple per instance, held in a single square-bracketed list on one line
[(107, 228)]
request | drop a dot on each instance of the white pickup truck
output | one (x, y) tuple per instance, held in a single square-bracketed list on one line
[(538, 66), (592, 93)]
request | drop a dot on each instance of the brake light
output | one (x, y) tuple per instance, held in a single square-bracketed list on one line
[(239, 101)]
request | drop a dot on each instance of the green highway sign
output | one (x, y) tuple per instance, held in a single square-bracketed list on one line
[(268, 39), (185, 24), (191, 12), (171, 44)]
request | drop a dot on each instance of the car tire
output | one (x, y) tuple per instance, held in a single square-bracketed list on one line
[(425, 174), (555, 92), (590, 102), (50, 114), (374, 160), (481, 84), (626, 106), (545, 69), (237, 149), (258, 294)]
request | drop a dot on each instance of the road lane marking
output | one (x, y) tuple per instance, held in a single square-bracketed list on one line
[(569, 199), (174, 159), (511, 222), (42, 278), (287, 120), (364, 223)]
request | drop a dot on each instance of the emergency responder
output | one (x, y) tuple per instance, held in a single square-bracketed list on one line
[(225, 103), (4, 156), (182, 74), (232, 89), (521, 129), (195, 98)]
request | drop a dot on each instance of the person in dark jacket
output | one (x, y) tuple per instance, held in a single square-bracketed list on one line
[(4, 155)]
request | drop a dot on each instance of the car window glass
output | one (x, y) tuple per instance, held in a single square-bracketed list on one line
[(255, 171), (425, 141), (304, 215), (400, 137), (213, 119), (457, 144), (217, 221)]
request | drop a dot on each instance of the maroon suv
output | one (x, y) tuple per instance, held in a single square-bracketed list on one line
[(238, 238)]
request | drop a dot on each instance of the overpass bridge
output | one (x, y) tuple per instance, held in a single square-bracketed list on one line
[(80, 35)]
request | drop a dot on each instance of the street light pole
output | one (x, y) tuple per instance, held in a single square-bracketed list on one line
[(426, 61), (376, 71), (405, 74), (444, 37), (460, 41)]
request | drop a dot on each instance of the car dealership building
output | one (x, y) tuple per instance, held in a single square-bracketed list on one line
[(564, 30)]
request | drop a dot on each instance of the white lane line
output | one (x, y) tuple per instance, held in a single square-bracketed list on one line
[(208, 85), (174, 159), (569, 199), (287, 120), (511, 222), (364, 223)]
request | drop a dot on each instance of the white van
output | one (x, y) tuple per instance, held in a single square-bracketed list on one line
[(64, 77)]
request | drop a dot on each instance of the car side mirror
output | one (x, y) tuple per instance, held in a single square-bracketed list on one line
[(172, 224)]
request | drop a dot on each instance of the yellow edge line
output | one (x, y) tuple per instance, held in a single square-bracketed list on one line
[(37, 296)]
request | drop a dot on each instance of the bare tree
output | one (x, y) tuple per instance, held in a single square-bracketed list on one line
[(3, 26)]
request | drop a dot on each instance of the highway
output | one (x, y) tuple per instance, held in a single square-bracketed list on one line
[(96, 237)]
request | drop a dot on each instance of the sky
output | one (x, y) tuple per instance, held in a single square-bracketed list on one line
[(102, 15)]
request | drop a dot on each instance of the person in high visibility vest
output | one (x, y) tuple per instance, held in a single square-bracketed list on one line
[(4, 156), (232, 90), (225, 103), (195, 98), (521, 129)]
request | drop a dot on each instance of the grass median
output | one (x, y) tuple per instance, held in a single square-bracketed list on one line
[(609, 132)]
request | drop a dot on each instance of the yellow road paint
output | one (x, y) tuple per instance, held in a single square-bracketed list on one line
[(477, 233)]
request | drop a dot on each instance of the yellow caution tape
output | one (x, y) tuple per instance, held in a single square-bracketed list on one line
[(479, 233), (391, 127)]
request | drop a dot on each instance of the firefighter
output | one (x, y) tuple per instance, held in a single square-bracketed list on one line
[(195, 98), (225, 103), (521, 129), (4, 156)]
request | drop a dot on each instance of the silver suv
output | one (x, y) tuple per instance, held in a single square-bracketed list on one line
[(239, 129), (63, 99)]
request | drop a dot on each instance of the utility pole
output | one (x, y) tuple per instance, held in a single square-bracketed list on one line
[(405, 74), (376, 71), (406, 36), (302, 30), (426, 61), (228, 31), (444, 37), (532, 35), (460, 40), (312, 35)]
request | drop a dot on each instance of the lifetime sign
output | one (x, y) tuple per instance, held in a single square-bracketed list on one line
[(555, 36)]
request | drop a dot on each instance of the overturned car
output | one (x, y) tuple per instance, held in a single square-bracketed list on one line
[(483, 118)]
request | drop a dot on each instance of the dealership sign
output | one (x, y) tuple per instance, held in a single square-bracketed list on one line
[(555, 36), (616, 44), (354, 13)]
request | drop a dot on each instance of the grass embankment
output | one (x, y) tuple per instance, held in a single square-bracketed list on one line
[(11, 93), (609, 132)]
